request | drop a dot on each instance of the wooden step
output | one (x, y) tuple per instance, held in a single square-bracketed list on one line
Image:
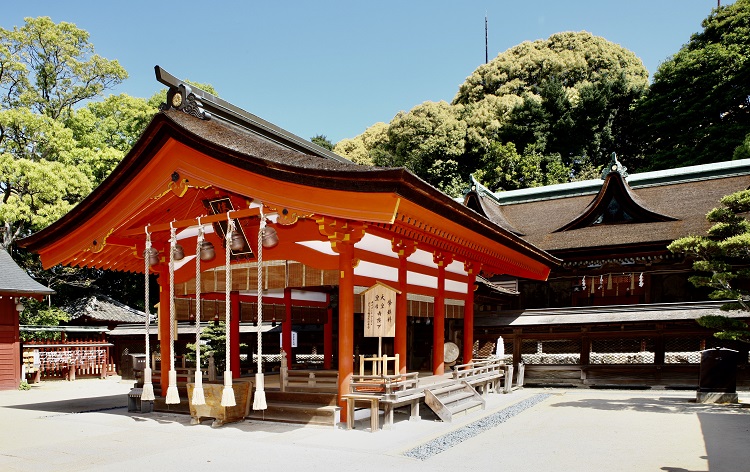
[(318, 398), (449, 400), (442, 391), (466, 407), (297, 413), (456, 397)]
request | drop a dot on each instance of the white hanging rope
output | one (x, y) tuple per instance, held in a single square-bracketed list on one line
[(173, 396), (199, 397), (148, 387), (259, 402), (227, 396)]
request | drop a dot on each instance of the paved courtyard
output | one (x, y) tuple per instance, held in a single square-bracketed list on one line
[(85, 425)]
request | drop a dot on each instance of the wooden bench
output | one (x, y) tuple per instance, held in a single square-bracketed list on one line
[(482, 374), (324, 381), (319, 381), (390, 391)]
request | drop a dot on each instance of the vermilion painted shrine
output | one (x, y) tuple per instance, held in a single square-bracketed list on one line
[(202, 162)]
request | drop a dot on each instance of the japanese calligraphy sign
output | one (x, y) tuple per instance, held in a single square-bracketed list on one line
[(380, 311)]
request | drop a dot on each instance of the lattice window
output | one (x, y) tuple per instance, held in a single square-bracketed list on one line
[(687, 350), (556, 351), (622, 351)]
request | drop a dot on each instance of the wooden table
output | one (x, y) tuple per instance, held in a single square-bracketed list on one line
[(352, 399)]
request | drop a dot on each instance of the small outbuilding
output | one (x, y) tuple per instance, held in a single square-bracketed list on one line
[(15, 284)]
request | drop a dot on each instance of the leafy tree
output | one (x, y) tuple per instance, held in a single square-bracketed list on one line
[(46, 69), (569, 95), (722, 260), (698, 107), (503, 168), (365, 148), (214, 341), (322, 141), (564, 103), (431, 134)]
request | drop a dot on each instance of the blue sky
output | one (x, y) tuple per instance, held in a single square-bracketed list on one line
[(337, 67)]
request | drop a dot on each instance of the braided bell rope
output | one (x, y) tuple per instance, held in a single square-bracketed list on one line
[(199, 397), (227, 398), (147, 393), (173, 395)]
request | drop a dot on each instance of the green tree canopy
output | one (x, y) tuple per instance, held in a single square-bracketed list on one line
[(322, 141), (46, 69), (568, 96), (698, 107), (722, 260), (562, 104)]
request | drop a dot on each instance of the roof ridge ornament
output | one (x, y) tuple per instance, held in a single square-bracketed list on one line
[(182, 98), (614, 166)]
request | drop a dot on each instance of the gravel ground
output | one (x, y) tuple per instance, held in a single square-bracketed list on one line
[(445, 442)]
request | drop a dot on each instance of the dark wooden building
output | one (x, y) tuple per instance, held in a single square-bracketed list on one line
[(15, 284), (620, 308)]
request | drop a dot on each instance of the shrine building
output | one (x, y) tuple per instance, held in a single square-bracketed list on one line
[(205, 169)]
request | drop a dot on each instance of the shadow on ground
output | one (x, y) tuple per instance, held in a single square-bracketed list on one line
[(654, 405), (76, 405)]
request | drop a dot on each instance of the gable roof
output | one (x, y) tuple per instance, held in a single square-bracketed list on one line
[(103, 308), (683, 196), (199, 148), (14, 281)]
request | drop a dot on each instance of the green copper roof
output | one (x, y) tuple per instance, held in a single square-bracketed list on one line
[(645, 179)]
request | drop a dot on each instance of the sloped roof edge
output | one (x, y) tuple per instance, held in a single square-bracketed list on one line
[(678, 175), (15, 281)]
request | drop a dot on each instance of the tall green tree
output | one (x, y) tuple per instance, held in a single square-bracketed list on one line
[(322, 141), (722, 262), (564, 103), (698, 107), (569, 95), (46, 70)]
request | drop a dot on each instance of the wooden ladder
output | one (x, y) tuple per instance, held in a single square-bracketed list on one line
[(453, 398)]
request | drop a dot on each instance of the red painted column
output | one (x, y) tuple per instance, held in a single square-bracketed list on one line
[(234, 334), (404, 249), (164, 327), (346, 320), (286, 327), (328, 335), (438, 325), (399, 340), (468, 351)]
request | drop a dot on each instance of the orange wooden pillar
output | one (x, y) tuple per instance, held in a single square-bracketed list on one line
[(404, 249), (438, 325), (328, 335), (286, 327), (346, 321), (164, 330), (468, 353), (343, 235), (234, 334)]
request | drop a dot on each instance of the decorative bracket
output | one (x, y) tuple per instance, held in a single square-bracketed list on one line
[(338, 231), (403, 247)]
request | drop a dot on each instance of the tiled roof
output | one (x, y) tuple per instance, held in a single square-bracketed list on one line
[(15, 281), (103, 308)]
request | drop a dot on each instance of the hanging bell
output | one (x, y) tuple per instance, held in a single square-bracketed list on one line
[(153, 256), (238, 241), (208, 253), (178, 253), (270, 237)]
